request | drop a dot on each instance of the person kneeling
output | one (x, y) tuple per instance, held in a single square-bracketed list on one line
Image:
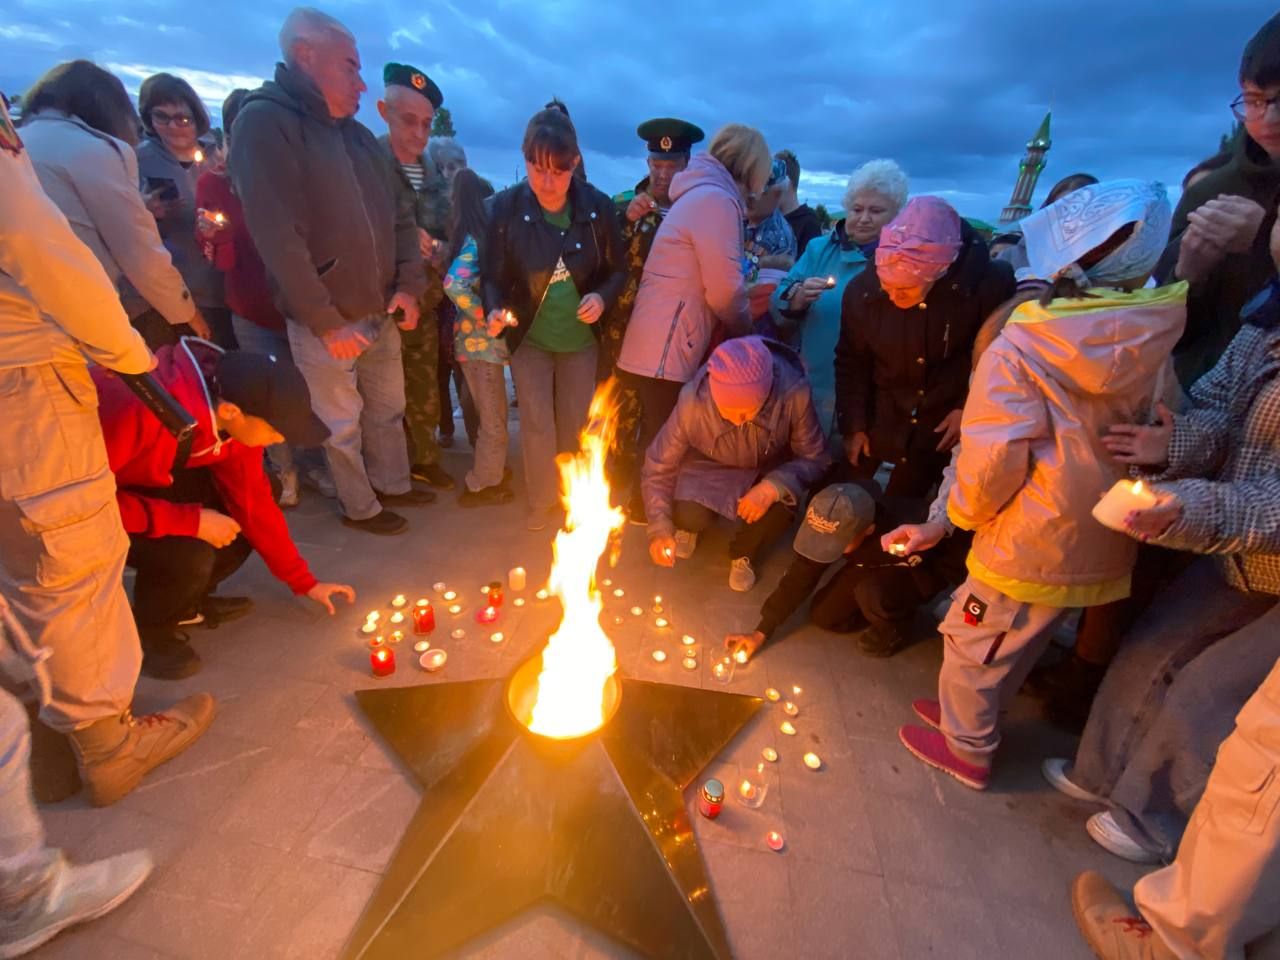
[(743, 443), (194, 517)]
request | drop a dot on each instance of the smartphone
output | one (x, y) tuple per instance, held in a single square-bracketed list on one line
[(165, 188)]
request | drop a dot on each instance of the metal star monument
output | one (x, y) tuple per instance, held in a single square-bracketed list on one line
[(597, 824)]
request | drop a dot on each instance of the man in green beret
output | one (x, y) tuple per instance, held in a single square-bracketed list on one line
[(640, 211), (409, 106)]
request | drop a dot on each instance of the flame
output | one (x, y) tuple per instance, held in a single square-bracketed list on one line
[(579, 658), (1137, 486)]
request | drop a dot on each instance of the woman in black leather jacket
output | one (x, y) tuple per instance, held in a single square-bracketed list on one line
[(552, 263)]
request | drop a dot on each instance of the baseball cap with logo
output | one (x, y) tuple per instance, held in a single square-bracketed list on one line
[(272, 389), (835, 517)]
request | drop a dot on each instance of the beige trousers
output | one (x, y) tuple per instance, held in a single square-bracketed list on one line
[(1223, 889), (62, 545)]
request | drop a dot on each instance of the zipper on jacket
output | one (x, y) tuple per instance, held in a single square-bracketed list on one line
[(355, 179), (666, 347)]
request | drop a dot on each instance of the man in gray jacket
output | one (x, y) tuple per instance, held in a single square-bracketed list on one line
[(344, 259)]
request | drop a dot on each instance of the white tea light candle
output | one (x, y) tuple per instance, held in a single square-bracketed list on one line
[(1121, 500)]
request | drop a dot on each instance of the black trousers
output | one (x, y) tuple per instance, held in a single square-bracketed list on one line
[(176, 573), (749, 540), (156, 330), (914, 476), (657, 398)]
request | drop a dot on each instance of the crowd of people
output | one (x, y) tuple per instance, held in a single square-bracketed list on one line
[(936, 411)]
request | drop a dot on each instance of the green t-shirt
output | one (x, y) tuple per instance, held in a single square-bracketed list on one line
[(556, 327)]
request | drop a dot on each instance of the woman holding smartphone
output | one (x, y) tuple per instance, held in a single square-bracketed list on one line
[(552, 262)]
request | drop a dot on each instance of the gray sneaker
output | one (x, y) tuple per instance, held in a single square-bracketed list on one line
[(741, 577), (72, 895)]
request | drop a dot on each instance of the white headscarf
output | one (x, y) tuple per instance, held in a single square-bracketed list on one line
[(1063, 232)]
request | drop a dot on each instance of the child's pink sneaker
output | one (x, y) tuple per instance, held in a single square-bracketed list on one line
[(931, 747)]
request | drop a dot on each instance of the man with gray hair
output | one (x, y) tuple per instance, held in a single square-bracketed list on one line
[(342, 254)]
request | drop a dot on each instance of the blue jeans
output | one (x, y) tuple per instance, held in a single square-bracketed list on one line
[(1170, 698), (361, 401), (554, 390)]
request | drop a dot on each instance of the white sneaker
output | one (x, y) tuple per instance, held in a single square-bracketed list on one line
[(686, 543), (1055, 771), (321, 481), (1107, 834), (77, 894), (289, 489), (741, 577)]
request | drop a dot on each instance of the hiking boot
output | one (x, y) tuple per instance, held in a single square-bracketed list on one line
[(1109, 835), (413, 497), (384, 523), (932, 748), (1113, 929), (288, 489), (116, 753), (320, 480), (219, 610), (486, 496), (68, 895), (167, 654), (686, 543), (741, 577), (930, 711), (433, 475), (1055, 770)]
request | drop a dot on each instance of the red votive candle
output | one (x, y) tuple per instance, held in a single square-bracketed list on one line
[(487, 615), (711, 799), (383, 662), (424, 618), (495, 594)]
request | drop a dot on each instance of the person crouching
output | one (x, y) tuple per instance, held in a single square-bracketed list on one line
[(193, 516)]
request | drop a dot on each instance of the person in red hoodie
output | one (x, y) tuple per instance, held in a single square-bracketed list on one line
[(194, 517)]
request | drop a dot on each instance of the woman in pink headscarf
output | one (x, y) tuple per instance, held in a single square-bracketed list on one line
[(907, 328)]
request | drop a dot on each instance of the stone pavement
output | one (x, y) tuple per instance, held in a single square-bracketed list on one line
[(271, 833)]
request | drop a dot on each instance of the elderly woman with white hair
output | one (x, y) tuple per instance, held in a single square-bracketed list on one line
[(808, 299)]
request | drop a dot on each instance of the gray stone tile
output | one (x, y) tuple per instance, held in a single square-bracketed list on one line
[(920, 842), (839, 912), (933, 921), (194, 785), (361, 823), (89, 940), (1039, 928), (277, 803), (267, 708)]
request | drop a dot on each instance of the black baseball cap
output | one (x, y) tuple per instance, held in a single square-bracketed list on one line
[(835, 516), (263, 386)]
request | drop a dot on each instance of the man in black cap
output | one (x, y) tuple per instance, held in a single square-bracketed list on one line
[(195, 511), (409, 106), (640, 211)]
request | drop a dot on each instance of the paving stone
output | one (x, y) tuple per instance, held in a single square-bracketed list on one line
[(307, 911), (361, 823), (933, 921), (277, 803), (838, 912)]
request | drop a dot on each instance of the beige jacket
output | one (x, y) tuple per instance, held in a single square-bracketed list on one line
[(1032, 466), (56, 302), (93, 178)]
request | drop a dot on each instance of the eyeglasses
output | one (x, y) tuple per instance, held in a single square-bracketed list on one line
[(161, 119), (1252, 106)]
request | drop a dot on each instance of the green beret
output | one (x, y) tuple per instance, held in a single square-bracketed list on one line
[(668, 137), (403, 75)]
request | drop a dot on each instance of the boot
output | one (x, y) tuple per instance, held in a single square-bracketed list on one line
[(116, 753), (167, 654), (67, 895)]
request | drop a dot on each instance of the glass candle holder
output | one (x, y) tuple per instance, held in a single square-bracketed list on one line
[(722, 670), (753, 788)]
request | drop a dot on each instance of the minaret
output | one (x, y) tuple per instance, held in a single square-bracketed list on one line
[(1028, 173)]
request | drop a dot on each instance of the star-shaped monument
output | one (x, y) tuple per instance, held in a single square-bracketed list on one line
[(509, 818)]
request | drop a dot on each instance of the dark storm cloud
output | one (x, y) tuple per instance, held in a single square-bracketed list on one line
[(952, 91)]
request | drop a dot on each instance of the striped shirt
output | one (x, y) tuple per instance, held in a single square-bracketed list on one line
[(416, 174)]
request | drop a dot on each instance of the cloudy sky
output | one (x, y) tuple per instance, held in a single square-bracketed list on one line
[(950, 90)]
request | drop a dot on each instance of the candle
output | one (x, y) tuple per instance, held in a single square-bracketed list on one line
[(606, 582), (619, 592), (722, 670), (797, 691), (433, 660), (438, 586), (219, 218), (772, 694), (542, 594), (790, 709), (687, 640), (487, 615), (748, 790), (495, 594), (752, 792), (813, 761), (1121, 500), (661, 623), (516, 579), (788, 728), (770, 754), (496, 638), (518, 602), (370, 626), (398, 600), (424, 617), (617, 621), (659, 656), (422, 646), (774, 839), (899, 549), (458, 634), (455, 609), (740, 655), (382, 662), (450, 596), (396, 636), (689, 663), (398, 617), (636, 611), (199, 156), (831, 282), (376, 642), (373, 616), (711, 799)]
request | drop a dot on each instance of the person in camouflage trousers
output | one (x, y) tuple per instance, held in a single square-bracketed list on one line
[(640, 212), (408, 107)]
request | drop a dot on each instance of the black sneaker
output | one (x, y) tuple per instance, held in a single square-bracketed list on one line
[(219, 610), (168, 657), (384, 524), (432, 474), (881, 641), (486, 496), (416, 497)]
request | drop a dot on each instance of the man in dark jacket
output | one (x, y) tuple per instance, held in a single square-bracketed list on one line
[(907, 328), (409, 106), (342, 255), (1222, 224), (800, 216), (743, 443)]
